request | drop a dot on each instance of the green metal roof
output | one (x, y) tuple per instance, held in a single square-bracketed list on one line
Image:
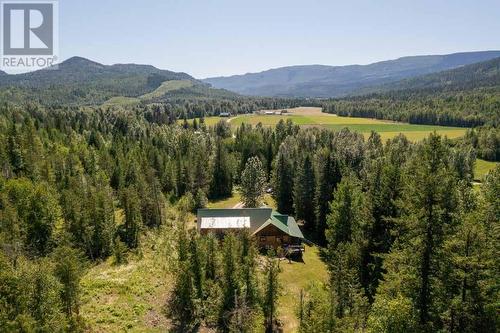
[(285, 223)]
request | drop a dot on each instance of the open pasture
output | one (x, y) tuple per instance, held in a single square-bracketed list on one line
[(308, 117)]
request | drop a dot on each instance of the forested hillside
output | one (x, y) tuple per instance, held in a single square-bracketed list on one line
[(478, 75), (468, 96), (82, 81), (80, 185), (79, 81), (338, 81)]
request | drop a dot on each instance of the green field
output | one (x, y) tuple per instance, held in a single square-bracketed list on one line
[(482, 168), (363, 125)]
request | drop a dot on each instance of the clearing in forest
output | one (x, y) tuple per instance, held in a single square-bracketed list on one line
[(313, 117)]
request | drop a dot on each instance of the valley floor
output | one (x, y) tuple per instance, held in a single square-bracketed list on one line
[(313, 117)]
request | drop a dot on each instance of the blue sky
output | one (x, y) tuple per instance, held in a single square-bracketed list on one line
[(223, 37)]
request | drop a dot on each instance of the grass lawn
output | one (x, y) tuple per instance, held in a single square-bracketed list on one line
[(226, 202), (269, 201), (293, 278), (482, 168)]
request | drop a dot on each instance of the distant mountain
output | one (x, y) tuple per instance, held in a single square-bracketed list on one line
[(469, 77), (77, 70), (82, 81), (337, 81)]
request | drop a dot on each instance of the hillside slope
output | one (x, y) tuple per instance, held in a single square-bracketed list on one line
[(79, 81), (468, 96), (336, 81), (478, 75)]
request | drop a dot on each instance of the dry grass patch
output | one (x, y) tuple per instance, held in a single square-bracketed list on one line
[(130, 297)]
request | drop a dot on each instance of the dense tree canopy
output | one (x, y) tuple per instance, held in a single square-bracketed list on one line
[(409, 244)]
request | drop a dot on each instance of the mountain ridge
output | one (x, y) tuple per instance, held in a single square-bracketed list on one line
[(338, 81), (82, 70), (468, 77), (81, 81)]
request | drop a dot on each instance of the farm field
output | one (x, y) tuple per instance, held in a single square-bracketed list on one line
[(313, 117), (211, 121)]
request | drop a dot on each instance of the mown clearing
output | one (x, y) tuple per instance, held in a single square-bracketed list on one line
[(227, 202), (211, 121), (131, 297), (482, 168), (294, 277)]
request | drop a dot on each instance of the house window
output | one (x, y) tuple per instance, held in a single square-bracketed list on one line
[(262, 239)]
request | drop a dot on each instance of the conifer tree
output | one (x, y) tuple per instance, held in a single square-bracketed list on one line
[(283, 182), (248, 258), (345, 236), (133, 217), (328, 175), (196, 258), (230, 281), (303, 193), (271, 293), (253, 180), (314, 310), (222, 178), (212, 258), (43, 298), (14, 150), (69, 269), (415, 264), (181, 305)]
